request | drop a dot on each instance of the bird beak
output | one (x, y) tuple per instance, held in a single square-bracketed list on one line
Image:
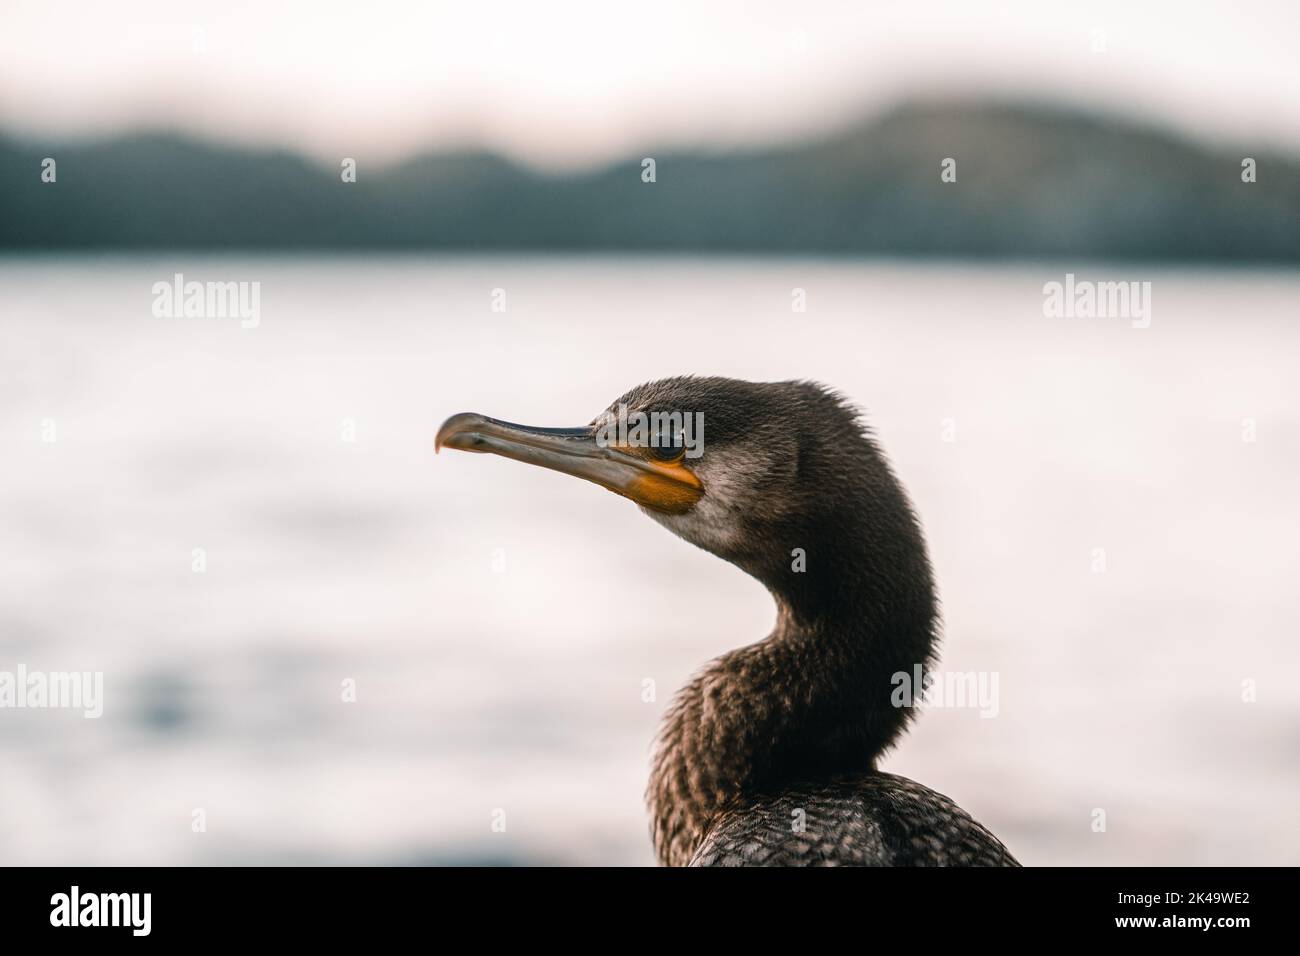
[(671, 488)]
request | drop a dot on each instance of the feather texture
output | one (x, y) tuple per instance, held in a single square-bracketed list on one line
[(875, 819)]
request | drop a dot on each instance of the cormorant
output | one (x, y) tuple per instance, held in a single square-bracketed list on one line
[(767, 757)]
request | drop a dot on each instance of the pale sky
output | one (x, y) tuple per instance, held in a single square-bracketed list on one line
[(570, 82)]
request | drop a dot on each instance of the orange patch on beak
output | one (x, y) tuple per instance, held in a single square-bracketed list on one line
[(668, 487)]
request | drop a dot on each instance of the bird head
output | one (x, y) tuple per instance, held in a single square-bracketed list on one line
[(748, 471)]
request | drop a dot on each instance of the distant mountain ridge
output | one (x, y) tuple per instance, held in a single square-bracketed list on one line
[(1031, 181)]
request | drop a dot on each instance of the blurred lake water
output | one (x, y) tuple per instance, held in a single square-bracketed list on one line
[(446, 587)]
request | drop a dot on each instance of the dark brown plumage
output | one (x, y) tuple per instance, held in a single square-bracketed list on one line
[(767, 757), (873, 819)]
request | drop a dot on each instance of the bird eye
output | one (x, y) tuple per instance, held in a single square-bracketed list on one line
[(668, 446), (667, 452)]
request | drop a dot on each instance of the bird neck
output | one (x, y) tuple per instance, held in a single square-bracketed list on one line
[(813, 699)]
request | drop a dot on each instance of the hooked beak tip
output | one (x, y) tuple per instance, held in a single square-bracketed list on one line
[(459, 424)]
